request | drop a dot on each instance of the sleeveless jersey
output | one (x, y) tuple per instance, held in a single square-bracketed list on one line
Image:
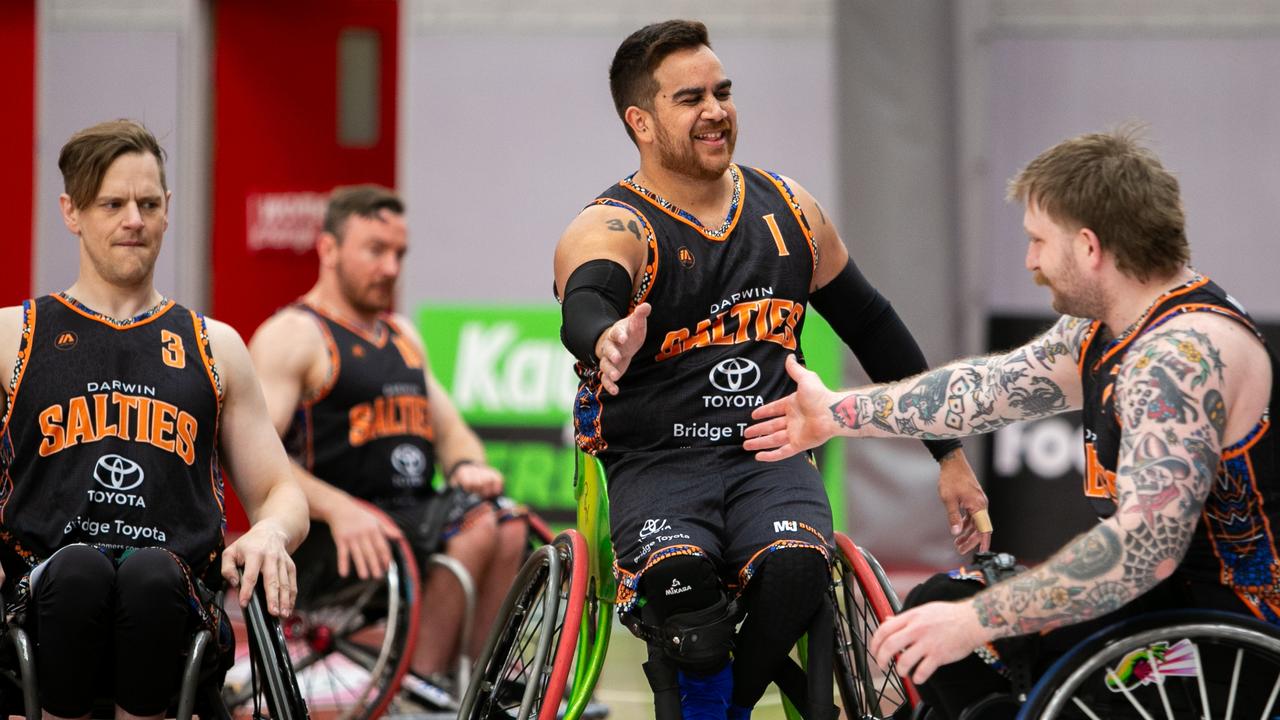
[(1234, 542), (728, 306), (368, 430), (111, 434)]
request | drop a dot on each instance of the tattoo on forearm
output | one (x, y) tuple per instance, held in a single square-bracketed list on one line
[(977, 395), (618, 226), (1173, 420)]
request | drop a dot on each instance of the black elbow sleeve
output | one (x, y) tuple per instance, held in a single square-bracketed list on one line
[(866, 322), (595, 296)]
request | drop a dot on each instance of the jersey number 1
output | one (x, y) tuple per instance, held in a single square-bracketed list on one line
[(777, 235)]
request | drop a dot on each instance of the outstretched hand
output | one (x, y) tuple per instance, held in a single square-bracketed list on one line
[(619, 344), (795, 423)]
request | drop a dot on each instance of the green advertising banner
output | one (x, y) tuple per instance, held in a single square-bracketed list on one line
[(513, 382)]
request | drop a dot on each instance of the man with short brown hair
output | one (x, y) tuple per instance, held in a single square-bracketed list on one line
[(121, 408), (1175, 380), (349, 386)]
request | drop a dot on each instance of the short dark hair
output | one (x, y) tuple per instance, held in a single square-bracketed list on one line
[(1113, 185), (631, 73), (87, 155), (363, 200)]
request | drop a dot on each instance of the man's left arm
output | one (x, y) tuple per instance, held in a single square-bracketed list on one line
[(866, 322), (263, 479), (1170, 401), (461, 454)]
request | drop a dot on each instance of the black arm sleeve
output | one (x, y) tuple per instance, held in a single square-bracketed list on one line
[(867, 323), (595, 297)]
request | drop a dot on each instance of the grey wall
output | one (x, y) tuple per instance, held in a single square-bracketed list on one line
[(141, 59), (508, 128)]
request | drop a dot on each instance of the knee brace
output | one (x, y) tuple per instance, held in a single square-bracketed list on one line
[(686, 614)]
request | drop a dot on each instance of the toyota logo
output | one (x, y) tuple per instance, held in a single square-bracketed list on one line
[(408, 460), (735, 375), (117, 472)]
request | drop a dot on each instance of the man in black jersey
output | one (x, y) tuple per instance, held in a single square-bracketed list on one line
[(1175, 382), (684, 288), (348, 384), (119, 407)]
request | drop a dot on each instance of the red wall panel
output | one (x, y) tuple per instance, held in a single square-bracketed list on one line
[(18, 130), (276, 131)]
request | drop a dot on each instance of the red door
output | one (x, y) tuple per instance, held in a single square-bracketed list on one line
[(18, 129), (304, 99)]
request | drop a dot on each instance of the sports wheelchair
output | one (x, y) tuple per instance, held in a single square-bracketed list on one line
[(1172, 665), (546, 650), (351, 642), (272, 689)]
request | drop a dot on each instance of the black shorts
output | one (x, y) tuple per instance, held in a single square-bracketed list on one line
[(428, 524), (718, 503)]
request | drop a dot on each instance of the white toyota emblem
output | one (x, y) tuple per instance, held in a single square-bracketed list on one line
[(408, 460), (735, 375), (117, 472)]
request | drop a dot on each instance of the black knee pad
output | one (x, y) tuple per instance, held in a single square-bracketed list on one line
[(679, 584), (790, 579), (941, 587), (686, 614)]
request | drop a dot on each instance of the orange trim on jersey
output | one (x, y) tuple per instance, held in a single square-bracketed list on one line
[(648, 274), (801, 219), (24, 359), (359, 332), (1205, 307), (703, 230), (158, 312), (414, 357), (1254, 436), (335, 365), (206, 357), (1142, 321), (1086, 343)]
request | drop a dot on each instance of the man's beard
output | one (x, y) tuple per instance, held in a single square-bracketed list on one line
[(1070, 295), (682, 158), (365, 299)]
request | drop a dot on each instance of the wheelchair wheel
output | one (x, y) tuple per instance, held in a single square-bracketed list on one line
[(272, 687), (1180, 664), (864, 598), (525, 665), (351, 645)]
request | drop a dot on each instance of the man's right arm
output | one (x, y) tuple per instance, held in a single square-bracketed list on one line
[(963, 398), (285, 350), (597, 262)]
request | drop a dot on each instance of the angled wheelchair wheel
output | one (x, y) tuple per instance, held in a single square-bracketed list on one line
[(349, 645), (864, 598), (272, 687), (525, 665), (1167, 665)]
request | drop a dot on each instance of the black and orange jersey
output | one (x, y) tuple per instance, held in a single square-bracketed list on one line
[(111, 433), (728, 307), (1234, 542), (368, 429)]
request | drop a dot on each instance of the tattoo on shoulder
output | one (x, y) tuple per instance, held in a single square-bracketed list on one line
[(1161, 382), (617, 225)]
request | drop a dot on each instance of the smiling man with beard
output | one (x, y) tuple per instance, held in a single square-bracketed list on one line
[(685, 286)]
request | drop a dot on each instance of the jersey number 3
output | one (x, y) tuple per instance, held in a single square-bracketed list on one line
[(171, 350)]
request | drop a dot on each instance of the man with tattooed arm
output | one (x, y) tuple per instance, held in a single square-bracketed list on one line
[(1175, 382)]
